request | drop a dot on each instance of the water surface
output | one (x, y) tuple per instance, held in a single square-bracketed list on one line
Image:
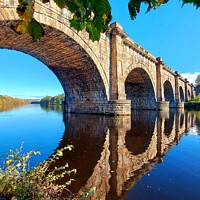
[(149, 155)]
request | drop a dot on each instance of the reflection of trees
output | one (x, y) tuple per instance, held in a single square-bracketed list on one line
[(49, 107), (9, 107)]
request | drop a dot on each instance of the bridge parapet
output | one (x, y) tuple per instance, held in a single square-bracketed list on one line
[(133, 45)]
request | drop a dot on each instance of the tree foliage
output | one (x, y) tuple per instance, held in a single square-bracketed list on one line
[(49, 100), (135, 5), (7, 100), (92, 15), (197, 81)]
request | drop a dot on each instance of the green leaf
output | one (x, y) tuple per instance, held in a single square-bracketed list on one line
[(60, 3), (134, 8), (78, 25), (135, 5), (94, 34), (35, 30), (102, 7), (73, 6), (196, 3)]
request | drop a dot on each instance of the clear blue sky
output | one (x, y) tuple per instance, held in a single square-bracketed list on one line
[(170, 32), (24, 76)]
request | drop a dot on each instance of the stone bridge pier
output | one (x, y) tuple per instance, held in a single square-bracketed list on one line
[(111, 76)]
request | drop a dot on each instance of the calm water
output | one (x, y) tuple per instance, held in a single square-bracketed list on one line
[(150, 155)]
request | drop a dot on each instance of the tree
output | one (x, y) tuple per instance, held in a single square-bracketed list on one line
[(197, 81), (197, 87), (56, 100), (92, 15)]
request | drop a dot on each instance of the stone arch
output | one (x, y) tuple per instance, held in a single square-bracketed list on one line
[(131, 67), (139, 89), (51, 15), (65, 52), (169, 94), (181, 93)]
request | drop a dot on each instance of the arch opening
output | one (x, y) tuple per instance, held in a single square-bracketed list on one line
[(169, 94), (181, 94), (85, 90), (139, 90)]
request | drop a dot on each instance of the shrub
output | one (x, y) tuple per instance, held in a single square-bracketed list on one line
[(17, 181)]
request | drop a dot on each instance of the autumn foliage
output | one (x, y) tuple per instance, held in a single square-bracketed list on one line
[(7, 100)]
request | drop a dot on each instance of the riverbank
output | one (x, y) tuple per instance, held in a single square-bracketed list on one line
[(192, 105), (6, 100)]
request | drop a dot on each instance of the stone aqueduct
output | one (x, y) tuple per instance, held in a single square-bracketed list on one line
[(106, 77)]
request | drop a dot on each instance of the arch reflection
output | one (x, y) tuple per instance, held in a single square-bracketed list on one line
[(142, 127), (113, 153)]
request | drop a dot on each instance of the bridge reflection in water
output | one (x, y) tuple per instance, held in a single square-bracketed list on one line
[(113, 153)]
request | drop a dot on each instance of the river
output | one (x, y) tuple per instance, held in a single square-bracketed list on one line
[(146, 156)]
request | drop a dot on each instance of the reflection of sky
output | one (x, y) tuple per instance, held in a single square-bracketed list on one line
[(193, 131), (36, 128)]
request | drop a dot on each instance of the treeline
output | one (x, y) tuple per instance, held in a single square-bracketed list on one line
[(7, 100), (194, 103), (56, 100)]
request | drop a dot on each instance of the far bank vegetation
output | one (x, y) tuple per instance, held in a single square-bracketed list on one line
[(194, 103), (56, 100), (7, 100)]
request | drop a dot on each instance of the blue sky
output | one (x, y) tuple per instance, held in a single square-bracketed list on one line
[(170, 32), (24, 76)]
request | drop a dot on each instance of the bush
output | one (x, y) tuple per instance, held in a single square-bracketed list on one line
[(19, 182), (196, 99)]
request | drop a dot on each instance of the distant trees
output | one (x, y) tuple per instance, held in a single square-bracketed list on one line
[(56, 100), (7, 100), (197, 81), (197, 88)]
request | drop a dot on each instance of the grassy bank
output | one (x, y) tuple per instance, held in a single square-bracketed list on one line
[(193, 104)]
